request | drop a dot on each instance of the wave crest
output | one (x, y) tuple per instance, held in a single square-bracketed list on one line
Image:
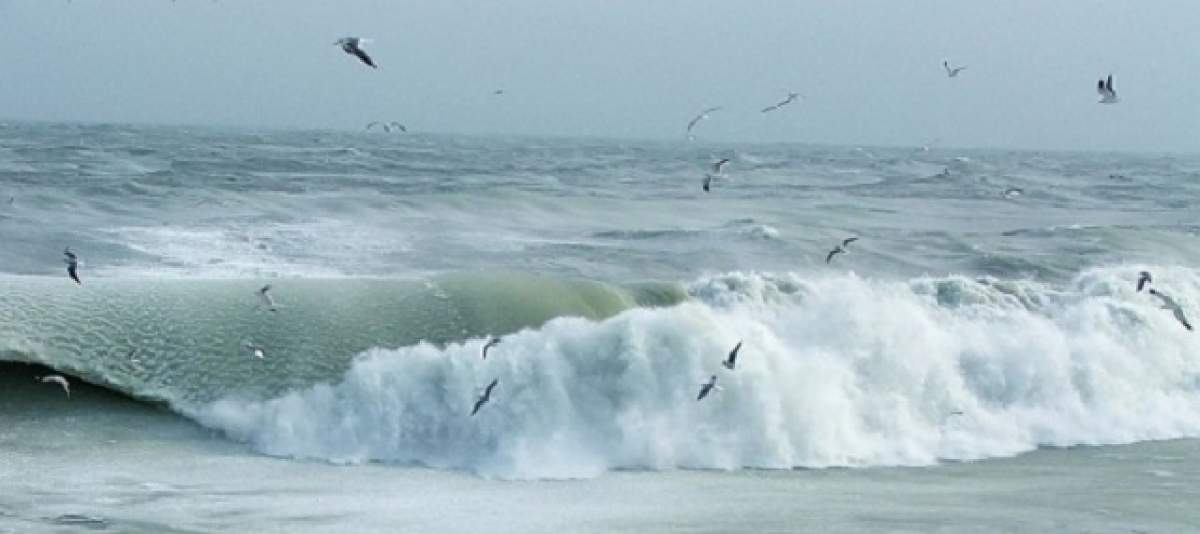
[(835, 371)]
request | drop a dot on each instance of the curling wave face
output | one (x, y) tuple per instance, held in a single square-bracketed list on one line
[(836, 371), (183, 341)]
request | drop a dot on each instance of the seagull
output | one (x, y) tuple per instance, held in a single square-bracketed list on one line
[(731, 361), (350, 45), (952, 71), (485, 397), (707, 388), (1143, 279), (840, 249), (1013, 192), (1170, 304), (265, 297), (791, 97), (1107, 95), (956, 412), (72, 265), (498, 92), (491, 343), (58, 379), (701, 117), (717, 167), (256, 350)]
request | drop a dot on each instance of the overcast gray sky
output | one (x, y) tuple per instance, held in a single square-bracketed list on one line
[(870, 69)]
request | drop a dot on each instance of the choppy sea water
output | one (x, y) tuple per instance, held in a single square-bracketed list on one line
[(971, 356)]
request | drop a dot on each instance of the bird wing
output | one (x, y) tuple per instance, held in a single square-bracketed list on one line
[(362, 56), (849, 240), (707, 182), (832, 253), (1100, 88), (1108, 84), (72, 274), (772, 107), (488, 393), (734, 353), (372, 124), (692, 123), (946, 65), (478, 405)]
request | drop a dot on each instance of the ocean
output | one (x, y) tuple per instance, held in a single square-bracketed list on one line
[(975, 362)]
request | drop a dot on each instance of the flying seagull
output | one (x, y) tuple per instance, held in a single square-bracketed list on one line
[(58, 379), (717, 167), (1107, 94), (265, 297), (255, 350), (701, 117), (351, 45), (1143, 279), (707, 387), (491, 343), (72, 265), (1013, 192), (791, 97), (840, 249), (952, 71), (731, 361), (1170, 304), (485, 397)]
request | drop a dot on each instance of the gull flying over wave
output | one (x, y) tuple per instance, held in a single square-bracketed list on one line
[(701, 117), (491, 343), (707, 388), (265, 298), (791, 97), (57, 379), (840, 249), (952, 72), (1143, 279), (353, 46), (731, 361), (717, 167), (485, 397), (1169, 303), (72, 265), (255, 350), (387, 126), (1107, 94)]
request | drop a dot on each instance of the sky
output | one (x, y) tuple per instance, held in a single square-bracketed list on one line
[(870, 70)]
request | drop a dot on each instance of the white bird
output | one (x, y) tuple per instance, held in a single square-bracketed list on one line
[(791, 97), (58, 379), (840, 249), (703, 116), (255, 350), (353, 46), (265, 298), (717, 167), (952, 71), (1107, 94), (707, 387), (1169, 303), (1013, 192)]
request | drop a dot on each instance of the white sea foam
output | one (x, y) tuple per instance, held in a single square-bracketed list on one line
[(835, 371)]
